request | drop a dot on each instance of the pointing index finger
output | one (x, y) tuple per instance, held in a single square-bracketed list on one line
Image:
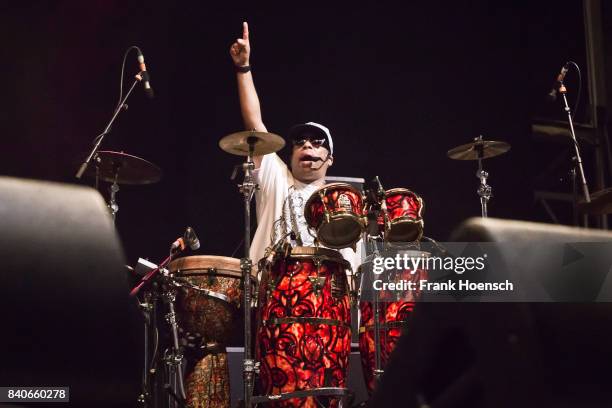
[(245, 30)]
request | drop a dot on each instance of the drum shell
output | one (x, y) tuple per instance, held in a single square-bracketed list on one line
[(335, 212), (303, 338), (199, 280), (404, 216), (394, 315)]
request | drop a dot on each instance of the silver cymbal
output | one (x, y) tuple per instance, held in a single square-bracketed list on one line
[(263, 143), (123, 168), (479, 149)]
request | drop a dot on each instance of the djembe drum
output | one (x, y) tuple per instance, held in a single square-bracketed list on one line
[(206, 305)]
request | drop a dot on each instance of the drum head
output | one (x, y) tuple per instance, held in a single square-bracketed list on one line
[(337, 186), (190, 265), (400, 190), (311, 252), (404, 230), (208, 297), (342, 232)]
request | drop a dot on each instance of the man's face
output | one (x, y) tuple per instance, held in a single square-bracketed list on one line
[(305, 164)]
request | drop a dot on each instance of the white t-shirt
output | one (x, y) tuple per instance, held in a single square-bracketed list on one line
[(280, 204)]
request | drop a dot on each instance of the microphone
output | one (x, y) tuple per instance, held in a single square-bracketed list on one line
[(380, 191), (189, 239), (144, 76), (552, 95), (321, 160)]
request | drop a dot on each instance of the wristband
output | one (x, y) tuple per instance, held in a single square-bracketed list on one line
[(243, 70)]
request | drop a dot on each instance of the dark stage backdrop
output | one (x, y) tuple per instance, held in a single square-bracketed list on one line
[(397, 84)]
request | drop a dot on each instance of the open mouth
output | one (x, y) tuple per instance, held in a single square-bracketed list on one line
[(309, 158)]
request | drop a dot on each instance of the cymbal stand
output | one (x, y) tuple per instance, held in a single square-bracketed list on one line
[(114, 189), (485, 191), (248, 188)]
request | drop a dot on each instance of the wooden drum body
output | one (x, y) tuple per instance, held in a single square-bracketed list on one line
[(304, 337), (207, 301)]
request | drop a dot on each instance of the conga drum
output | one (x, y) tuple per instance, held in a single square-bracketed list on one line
[(394, 308), (335, 213), (304, 337), (403, 219), (207, 301)]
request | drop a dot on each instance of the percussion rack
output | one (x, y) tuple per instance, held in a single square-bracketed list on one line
[(158, 276)]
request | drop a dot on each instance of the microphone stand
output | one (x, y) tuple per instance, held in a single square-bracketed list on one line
[(106, 131), (578, 159)]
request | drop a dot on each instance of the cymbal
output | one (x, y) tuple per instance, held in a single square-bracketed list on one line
[(479, 149), (124, 168), (265, 143), (601, 203)]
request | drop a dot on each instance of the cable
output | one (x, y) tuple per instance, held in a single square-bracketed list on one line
[(576, 104), (133, 47)]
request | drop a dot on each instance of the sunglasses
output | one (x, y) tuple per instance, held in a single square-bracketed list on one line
[(316, 143)]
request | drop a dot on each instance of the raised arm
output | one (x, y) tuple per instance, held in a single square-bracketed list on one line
[(240, 51)]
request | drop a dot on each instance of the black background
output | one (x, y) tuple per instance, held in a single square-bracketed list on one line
[(397, 84)]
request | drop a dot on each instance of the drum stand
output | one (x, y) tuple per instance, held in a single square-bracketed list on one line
[(378, 370), (248, 188), (379, 196), (148, 312), (173, 358), (175, 388)]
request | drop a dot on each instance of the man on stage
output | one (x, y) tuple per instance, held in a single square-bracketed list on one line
[(283, 192)]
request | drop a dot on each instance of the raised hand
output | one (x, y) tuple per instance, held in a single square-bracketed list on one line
[(240, 51)]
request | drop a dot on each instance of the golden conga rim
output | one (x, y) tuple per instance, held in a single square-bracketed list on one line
[(331, 254), (200, 262), (315, 195), (338, 184), (399, 190)]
